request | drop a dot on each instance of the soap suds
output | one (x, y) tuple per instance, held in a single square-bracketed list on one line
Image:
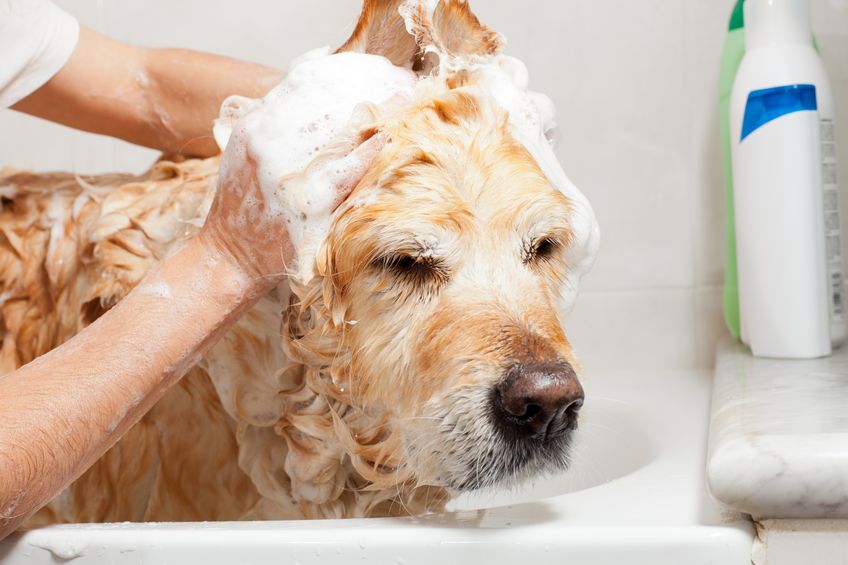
[(162, 118), (323, 98), (79, 202), (532, 123), (122, 413), (159, 289), (64, 548), (531, 117), (7, 191), (9, 511), (56, 218)]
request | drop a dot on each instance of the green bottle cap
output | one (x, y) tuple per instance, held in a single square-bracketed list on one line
[(737, 18)]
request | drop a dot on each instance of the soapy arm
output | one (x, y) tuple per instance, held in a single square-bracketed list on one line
[(62, 411), (165, 99)]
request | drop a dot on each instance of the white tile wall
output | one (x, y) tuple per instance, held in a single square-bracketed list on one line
[(635, 83)]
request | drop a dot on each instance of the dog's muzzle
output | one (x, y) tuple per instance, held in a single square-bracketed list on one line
[(519, 428)]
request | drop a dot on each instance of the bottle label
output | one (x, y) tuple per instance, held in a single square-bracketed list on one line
[(833, 244), (768, 104)]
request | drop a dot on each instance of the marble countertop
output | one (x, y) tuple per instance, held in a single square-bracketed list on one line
[(778, 444)]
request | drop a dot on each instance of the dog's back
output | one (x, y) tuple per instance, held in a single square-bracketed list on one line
[(70, 248)]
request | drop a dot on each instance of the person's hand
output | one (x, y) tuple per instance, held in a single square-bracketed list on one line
[(263, 226)]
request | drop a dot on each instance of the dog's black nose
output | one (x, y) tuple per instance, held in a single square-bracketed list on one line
[(539, 398)]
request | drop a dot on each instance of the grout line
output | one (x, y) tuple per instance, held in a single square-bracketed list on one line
[(693, 194), (652, 290)]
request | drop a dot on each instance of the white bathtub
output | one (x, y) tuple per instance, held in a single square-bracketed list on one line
[(635, 495)]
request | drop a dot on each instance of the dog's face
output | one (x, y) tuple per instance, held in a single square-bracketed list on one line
[(447, 263)]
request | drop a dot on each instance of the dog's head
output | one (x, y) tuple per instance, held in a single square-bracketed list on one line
[(434, 315)]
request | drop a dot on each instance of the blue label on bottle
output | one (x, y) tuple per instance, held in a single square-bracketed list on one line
[(768, 104)]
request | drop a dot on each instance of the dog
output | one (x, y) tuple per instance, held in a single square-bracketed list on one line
[(423, 355)]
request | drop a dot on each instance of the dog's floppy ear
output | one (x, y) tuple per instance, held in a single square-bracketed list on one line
[(404, 30)]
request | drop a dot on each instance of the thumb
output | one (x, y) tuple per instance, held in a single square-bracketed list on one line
[(351, 168)]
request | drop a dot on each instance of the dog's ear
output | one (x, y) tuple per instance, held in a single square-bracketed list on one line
[(382, 31), (403, 30)]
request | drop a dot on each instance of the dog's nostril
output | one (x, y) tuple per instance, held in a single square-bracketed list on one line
[(570, 413), (575, 405), (519, 408), (539, 398), (532, 411)]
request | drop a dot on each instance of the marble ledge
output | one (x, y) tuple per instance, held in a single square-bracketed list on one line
[(778, 444)]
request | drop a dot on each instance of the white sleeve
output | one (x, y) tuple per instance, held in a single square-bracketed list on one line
[(36, 40)]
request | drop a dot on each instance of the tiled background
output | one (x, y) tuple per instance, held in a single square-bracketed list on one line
[(635, 82)]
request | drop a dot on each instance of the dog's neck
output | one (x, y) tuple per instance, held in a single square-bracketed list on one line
[(307, 447)]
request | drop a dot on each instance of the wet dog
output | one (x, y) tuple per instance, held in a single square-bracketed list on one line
[(424, 354)]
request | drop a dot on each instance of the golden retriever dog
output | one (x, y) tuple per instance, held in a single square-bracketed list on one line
[(424, 355)]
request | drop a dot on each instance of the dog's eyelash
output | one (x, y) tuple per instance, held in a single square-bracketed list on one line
[(542, 248), (416, 270)]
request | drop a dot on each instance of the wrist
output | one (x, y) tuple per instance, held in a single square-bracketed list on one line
[(236, 273)]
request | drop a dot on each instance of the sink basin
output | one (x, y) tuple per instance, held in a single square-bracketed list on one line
[(635, 494), (610, 443)]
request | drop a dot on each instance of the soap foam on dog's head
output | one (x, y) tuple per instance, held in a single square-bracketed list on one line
[(296, 121), (532, 121)]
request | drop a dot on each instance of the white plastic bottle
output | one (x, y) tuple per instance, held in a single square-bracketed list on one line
[(786, 195)]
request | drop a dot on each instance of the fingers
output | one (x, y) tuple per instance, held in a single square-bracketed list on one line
[(345, 173), (232, 109), (366, 113), (365, 116), (350, 169), (396, 102)]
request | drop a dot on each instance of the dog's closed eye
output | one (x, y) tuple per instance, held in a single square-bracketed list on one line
[(414, 270), (541, 249)]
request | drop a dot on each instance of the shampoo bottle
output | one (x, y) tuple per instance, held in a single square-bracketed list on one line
[(782, 133)]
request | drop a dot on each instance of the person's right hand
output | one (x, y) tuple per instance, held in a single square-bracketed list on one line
[(261, 227)]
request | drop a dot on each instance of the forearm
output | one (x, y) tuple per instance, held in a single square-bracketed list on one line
[(188, 88), (61, 412), (165, 99)]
